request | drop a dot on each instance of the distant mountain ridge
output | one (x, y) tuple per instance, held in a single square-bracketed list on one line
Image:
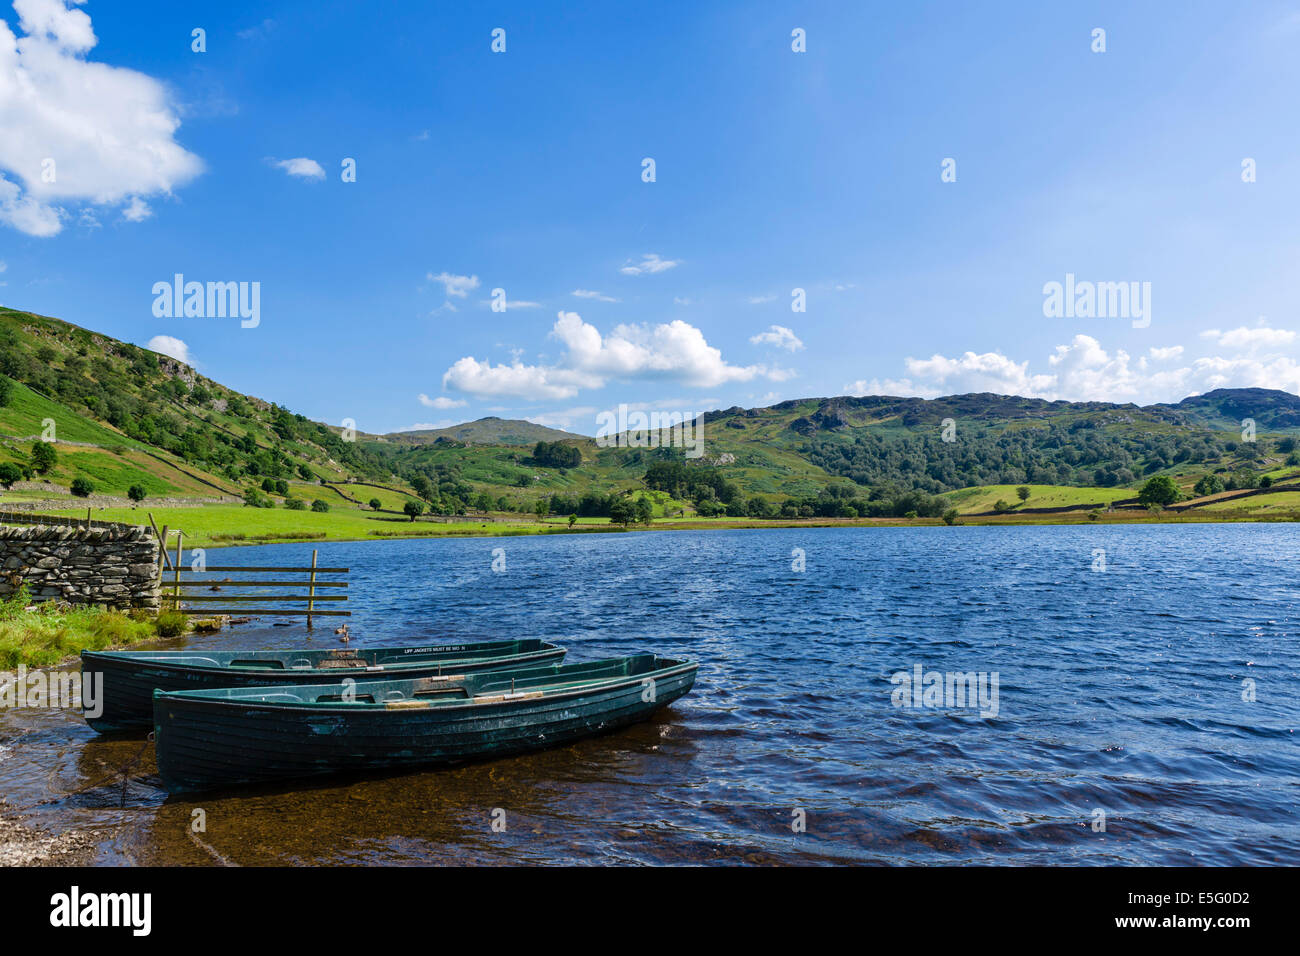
[(488, 431)]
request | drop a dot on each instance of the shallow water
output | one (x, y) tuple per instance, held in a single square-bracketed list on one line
[(1119, 691)]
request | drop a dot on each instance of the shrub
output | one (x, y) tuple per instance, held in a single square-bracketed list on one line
[(255, 499), (9, 473), (170, 624), (136, 493), (44, 457), (1208, 484), (320, 506), (375, 504), (82, 487), (295, 504)]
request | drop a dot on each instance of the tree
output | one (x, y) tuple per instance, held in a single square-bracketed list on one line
[(1208, 484), (1023, 492), (6, 389), (622, 511), (413, 508), (295, 504), (645, 511), (950, 516), (1159, 490), (1266, 482), (375, 504), (136, 493), (319, 506), (423, 488), (82, 487), (541, 509), (1000, 506), (9, 473), (573, 519), (44, 457)]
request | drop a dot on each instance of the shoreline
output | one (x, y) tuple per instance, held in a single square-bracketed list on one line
[(22, 844), (743, 524)]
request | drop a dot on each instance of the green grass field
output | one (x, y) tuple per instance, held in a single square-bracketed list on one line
[(982, 498), (1274, 502), (215, 525)]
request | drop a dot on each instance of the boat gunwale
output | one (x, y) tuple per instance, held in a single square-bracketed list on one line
[(143, 660), (200, 698)]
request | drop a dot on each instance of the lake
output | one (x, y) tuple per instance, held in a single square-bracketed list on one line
[(1147, 698)]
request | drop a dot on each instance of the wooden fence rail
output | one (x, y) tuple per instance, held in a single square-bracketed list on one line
[(212, 604)]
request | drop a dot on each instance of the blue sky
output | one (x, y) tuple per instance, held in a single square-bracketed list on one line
[(775, 170)]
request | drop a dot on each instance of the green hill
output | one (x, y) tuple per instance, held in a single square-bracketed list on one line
[(485, 431), (124, 416)]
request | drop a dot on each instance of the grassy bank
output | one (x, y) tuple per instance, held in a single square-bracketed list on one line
[(224, 525), (52, 632), (217, 525)]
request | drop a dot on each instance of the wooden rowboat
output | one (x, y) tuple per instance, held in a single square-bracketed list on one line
[(131, 677), (215, 739)]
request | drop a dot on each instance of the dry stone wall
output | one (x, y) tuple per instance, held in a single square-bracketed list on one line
[(115, 566)]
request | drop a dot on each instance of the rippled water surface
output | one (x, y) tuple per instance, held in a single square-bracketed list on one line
[(1120, 692)]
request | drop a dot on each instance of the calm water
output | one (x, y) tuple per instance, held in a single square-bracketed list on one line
[(1119, 691)]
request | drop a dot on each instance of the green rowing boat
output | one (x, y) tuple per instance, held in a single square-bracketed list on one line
[(214, 739), (125, 700)]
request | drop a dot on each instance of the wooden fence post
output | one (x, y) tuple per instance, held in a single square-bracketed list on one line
[(179, 537), (311, 588)]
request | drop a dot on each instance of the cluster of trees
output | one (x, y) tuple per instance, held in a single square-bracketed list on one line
[(1080, 453), (44, 458), (836, 501), (556, 454), (257, 498), (442, 488), (700, 483)]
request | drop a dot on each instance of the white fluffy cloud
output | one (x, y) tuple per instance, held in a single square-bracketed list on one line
[(302, 167), (459, 286), (671, 351), (590, 294), (1244, 338), (1084, 371), (76, 131), (650, 264), (441, 402), (778, 336), (1165, 354), (170, 345), (137, 210)]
